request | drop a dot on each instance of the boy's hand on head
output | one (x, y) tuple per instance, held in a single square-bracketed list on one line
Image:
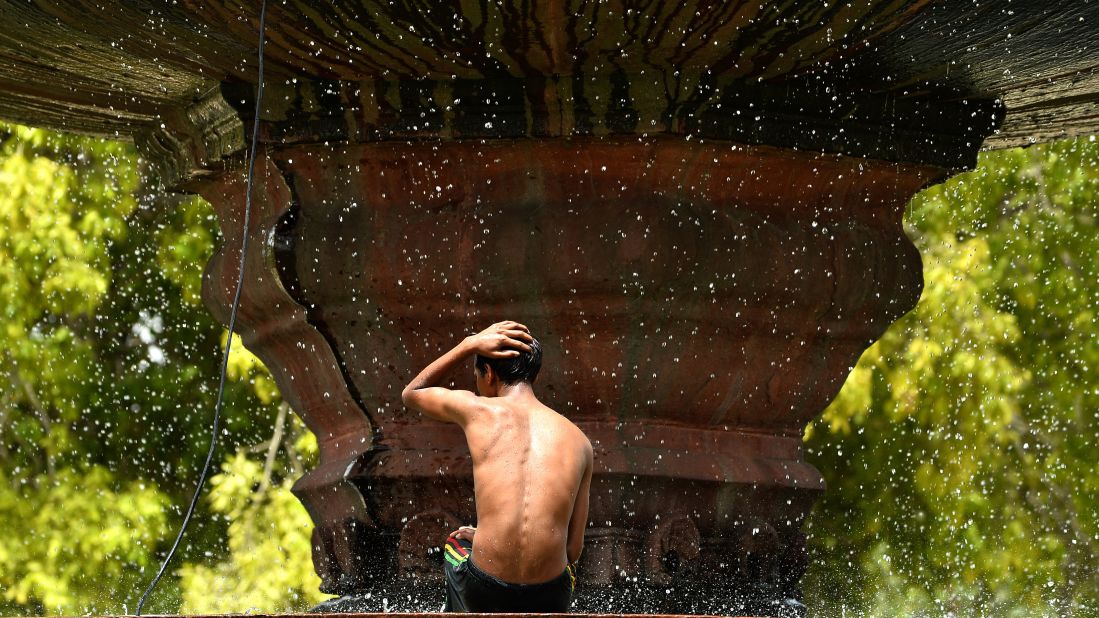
[(505, 339)]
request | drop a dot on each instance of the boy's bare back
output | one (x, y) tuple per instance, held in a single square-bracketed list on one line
[(529, 466)]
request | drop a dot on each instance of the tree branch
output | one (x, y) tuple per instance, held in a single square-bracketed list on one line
[(273, 449)]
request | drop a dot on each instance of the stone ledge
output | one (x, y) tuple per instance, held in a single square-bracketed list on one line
[(415, 614)]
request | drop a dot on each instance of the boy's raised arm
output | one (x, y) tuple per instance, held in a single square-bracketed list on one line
[(501, 340)]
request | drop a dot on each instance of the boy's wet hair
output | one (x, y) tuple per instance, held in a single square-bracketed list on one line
[(522, 368)]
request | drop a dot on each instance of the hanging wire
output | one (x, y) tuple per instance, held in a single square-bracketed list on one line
[(232, 318)]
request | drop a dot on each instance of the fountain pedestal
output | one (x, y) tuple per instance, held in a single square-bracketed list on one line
[(698, 303)]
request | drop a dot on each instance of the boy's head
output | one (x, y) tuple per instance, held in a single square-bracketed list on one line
[(508, 371)]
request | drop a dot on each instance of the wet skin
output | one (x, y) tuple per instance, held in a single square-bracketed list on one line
[(531, 466)]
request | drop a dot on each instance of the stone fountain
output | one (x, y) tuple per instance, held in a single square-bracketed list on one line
[(696, 206)]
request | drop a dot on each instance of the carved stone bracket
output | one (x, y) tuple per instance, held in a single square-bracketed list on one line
[(191, 143), (274, 327)]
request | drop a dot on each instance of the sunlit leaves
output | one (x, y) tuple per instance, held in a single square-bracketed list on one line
[(71, 535), (108, 365), (57, 220), (245, 367), (960, 453), (183, 249), (269, 549)]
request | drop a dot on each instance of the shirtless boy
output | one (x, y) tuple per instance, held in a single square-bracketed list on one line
[(531, 476)]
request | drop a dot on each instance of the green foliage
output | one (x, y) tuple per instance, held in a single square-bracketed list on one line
[(185, 246), (108, 365), (270, 557), (960, 454), (72, 538), (245, 367), (58, 221)]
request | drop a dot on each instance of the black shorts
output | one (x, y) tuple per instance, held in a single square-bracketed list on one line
[(469, 589)]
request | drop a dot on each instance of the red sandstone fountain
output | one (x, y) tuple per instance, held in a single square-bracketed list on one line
[(695, 206)]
